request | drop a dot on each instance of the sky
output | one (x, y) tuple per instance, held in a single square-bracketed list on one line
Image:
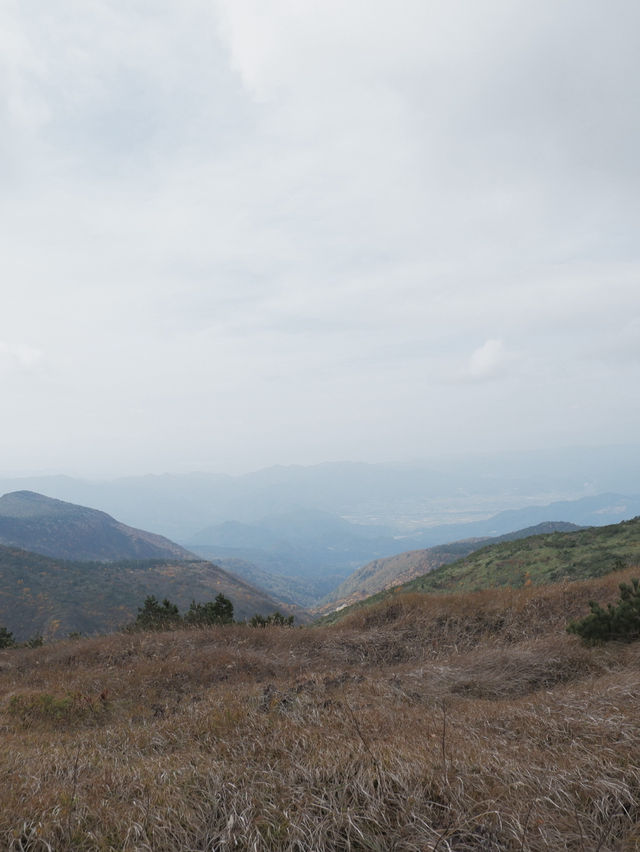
[(236, 233)]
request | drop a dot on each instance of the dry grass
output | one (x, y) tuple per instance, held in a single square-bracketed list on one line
[(431, 723)]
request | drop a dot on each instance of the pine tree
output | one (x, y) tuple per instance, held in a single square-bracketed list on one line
[(276, 619), (620, 622), (155, 616), (6, 638), (219, 611)]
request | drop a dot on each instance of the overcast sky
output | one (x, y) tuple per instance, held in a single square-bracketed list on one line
[(235, 233)]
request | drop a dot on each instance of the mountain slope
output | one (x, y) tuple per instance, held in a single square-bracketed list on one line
[(303, 592), (52, 597), (55, 528), (540, 559), (535, 560), (395, 570)]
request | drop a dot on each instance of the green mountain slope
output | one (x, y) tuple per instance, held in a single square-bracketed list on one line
[(540, 559), (52, 597), (55, 528), (394, 570), (535, 560)]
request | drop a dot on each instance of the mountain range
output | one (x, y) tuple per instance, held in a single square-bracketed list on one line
[(104, 568), (316, 549), (404, 497)]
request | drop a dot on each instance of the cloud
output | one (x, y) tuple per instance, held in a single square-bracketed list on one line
[(18, 355), (488, 361), (309, 208)]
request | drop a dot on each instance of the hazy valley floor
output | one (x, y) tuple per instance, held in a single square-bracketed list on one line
[(429, 723)]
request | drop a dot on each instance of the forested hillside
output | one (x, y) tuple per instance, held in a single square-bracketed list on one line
[(40, 595)]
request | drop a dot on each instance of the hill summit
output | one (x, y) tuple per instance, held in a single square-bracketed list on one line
[(64, 530)]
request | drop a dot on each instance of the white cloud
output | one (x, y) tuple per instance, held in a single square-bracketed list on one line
[(488, 360), (18, 355), (310, 207)]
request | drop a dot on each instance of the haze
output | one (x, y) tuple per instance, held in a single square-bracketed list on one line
[(235, 234)]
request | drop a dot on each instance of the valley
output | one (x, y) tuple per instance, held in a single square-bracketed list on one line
[(306, 562)]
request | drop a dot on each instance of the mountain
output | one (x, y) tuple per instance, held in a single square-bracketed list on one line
[(395, 570), (535, 560), (406, 497), (317, 524), (55, 528), (41, 595)]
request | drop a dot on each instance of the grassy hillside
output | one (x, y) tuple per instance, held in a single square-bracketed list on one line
[(539, 559), (384, 573), (394, 570), (51, 597), (450, 722), (535, 560)]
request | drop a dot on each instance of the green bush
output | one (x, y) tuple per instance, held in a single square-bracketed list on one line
[(620, 622)]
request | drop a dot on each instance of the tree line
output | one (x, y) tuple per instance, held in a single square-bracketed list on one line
[(156, 615), (165, 615)]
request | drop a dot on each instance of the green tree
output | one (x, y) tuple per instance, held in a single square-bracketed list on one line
[(6, 638), (219, 611), (276, 619), (157, 616), (620, 622)]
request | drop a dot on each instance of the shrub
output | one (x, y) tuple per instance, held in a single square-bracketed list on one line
[(620, 622)]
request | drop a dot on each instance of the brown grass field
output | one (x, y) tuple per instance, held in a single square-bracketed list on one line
[(468, 722)]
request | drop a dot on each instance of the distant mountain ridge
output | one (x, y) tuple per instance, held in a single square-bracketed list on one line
[(595, 510), (402, 495), (64, 530)]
